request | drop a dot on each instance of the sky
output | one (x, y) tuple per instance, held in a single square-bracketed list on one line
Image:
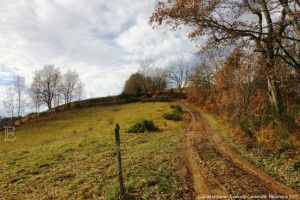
[(102, 40)]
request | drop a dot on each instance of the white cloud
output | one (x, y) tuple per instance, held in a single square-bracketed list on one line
[(142, 41), (102, 40)]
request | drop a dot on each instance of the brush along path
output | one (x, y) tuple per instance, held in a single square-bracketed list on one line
[(217, 170)]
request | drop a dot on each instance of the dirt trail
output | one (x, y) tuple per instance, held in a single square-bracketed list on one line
[(213, 169)]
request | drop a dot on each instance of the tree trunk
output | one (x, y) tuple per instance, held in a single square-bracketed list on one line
[(66, 102), (180, 92), (275, 94), (36, 109), (273, 84), (49, 105)]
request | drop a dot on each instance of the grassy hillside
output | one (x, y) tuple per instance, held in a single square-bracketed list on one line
[(71, 154)]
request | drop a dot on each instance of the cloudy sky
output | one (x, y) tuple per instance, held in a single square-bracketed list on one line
[(103, 40)]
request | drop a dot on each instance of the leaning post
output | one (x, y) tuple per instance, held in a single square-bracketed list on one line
[(118, 149)]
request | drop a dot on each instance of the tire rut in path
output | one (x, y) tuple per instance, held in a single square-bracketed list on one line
[(218, 170)]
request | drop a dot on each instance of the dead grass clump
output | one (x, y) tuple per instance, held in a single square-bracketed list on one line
[(295, 139), (266, 137)]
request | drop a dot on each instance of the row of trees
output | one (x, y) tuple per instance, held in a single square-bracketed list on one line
[(49, 87), (150, 79), (14, 97)]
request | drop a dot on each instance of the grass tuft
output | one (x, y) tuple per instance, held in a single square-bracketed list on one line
[(175, 115), (142, 126), (177, 108)]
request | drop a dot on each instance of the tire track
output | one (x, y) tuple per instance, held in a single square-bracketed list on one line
[(218, 170)]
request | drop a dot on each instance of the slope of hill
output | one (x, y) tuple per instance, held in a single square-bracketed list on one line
[(71, 154)]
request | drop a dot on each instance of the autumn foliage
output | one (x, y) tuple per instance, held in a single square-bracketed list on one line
[(139, 84), (251, 78), (238, 92)]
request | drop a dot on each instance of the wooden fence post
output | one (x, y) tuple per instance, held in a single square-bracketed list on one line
[(118, 149)]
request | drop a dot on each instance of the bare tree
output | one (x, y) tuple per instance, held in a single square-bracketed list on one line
[(45, 83), (9, 103), (79, 90), (178, 74), (35, 96), (156, 77), (70, 86), (203, 76), (19, 88), (57, 99), (146, 66)]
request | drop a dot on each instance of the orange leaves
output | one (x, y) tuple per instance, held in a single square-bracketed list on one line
[(266, 137), (259, 102)]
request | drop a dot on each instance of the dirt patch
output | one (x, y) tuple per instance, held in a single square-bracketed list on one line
[(186, 189)]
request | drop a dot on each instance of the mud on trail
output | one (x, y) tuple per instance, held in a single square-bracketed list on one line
[(210, 168)]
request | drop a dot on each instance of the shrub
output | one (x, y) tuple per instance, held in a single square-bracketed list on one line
[(124, 96), (163, 99), (244, 123), (176, 116), (285, 145), (142, 126), (297, 165), (266, 138), (177, 108), (147, 100)]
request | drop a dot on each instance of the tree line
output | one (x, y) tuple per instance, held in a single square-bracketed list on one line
[(150, 79), (49, 88)]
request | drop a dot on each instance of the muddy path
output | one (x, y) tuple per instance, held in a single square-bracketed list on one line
[(212, 170)]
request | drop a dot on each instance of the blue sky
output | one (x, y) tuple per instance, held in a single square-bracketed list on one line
[(103, 40), (6, 75)]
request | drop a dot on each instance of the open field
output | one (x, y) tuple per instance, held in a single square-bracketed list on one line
[(71, 154)]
